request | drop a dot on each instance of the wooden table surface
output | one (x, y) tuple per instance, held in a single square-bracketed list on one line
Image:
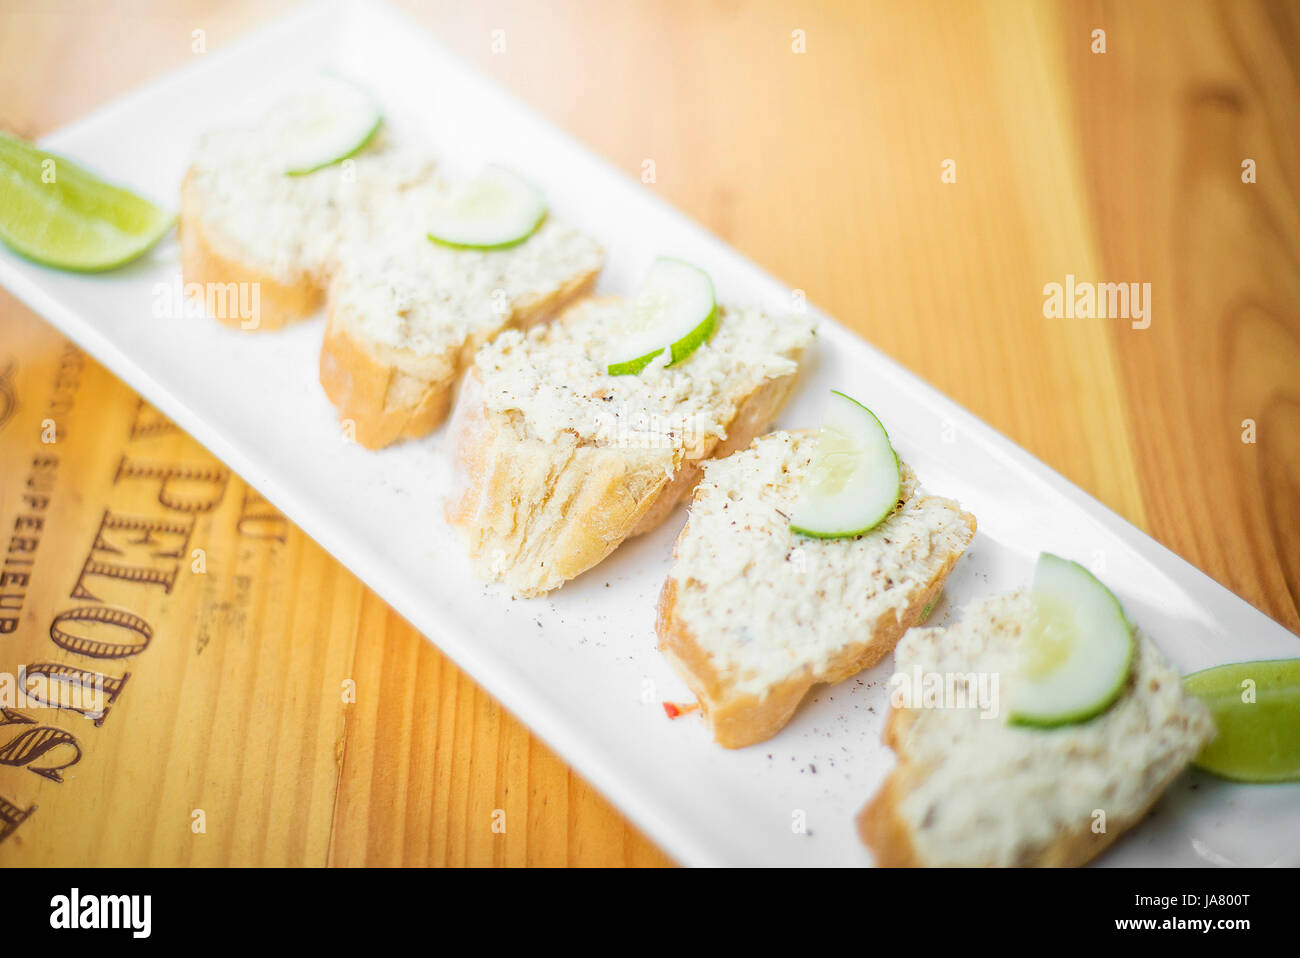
[(921, 171)]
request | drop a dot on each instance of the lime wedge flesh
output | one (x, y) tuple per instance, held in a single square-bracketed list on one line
[(1077, 652), (1259, 740), (674, 309), (58, 214), (495, 210), (853, 482)]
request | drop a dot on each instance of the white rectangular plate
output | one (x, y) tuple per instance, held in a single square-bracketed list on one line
[(580, 667)]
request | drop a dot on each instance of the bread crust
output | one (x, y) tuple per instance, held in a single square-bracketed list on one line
[(881, 825), (737, 719), (886, 831), (389, 394), (754, 416), (208, 259), (534, 515)]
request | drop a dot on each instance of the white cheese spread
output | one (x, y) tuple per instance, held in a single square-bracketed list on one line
[(555, 377), (991, 793), (767, 603), (287, 226), (400, 289)]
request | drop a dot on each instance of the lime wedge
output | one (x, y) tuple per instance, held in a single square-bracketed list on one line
[(1256, 708), (56, 213), (853, 482), (1076, 655), (674, 309), (495, 210)]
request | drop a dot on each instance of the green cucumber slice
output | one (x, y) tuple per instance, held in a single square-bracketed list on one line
[(495, 210), (854, 481), (674, 309), (1257, 741), (1077, 653), (323, 125)]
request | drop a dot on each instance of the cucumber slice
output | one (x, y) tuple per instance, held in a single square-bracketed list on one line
[(1257, 741), (495, 210), (674, 309), (853, 482), (1078, 651), (324, 125), (56, 213)]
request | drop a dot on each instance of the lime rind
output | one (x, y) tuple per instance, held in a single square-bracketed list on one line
[(77, 222)]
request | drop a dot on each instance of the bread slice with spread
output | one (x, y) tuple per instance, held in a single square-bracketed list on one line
[(247, 218), (754, 614), (973, 788), (558, 461), (406, 314)]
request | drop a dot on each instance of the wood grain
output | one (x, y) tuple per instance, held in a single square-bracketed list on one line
[(1191, 99), (825, 168)]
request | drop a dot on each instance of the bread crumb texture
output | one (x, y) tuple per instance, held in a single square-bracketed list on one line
[(553, 381), (766, 603), (288, 227), (396, 287)]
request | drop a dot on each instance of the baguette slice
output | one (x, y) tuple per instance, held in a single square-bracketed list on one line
[(558, 462), (406, 315), (753, 615), (244, 220), (972, 790)]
